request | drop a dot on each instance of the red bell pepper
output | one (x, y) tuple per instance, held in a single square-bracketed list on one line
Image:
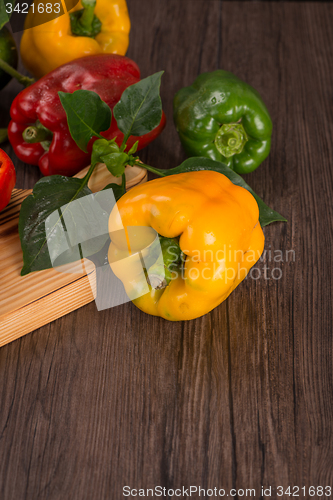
[(108, 75), (7, 179)]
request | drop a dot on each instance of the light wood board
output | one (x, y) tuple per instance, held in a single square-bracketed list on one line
[(31, 301)]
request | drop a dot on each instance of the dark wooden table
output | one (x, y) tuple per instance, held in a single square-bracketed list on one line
[(242, 397)]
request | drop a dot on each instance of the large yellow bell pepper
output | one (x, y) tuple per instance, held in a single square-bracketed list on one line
[(219, 234), (47, 44)]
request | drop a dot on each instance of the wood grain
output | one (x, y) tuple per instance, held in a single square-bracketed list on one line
[(242, 397)]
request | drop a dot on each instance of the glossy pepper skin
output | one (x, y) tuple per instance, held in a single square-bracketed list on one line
[(108, 75), (219, 233), (46, 45), (7, 179), (203, 112)]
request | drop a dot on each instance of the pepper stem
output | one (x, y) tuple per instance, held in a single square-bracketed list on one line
[(230, 139), (84, 22), (3, 135), (160, 273), (24, 80), (36, 133), (87, 15)]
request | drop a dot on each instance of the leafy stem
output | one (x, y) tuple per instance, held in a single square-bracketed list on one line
[(24, 80), (123, 182), (86, 178), (123, 144), (158, 171)]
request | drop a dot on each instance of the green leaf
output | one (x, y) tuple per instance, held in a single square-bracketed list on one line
[(116, 163), (134, 148), (266, 215), (139, 110), (118, 191), (87, 115), (108, 202), (4, 7), (60, 222)]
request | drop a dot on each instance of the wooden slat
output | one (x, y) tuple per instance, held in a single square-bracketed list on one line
[(31, 301)]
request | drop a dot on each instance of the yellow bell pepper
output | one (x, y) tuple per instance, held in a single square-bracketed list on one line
[(220, 239), (47, 44)]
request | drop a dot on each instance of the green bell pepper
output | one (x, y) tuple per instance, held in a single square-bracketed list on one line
[(223, 118)]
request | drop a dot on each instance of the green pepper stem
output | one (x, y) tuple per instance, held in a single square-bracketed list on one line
[(231, 139), (35, 133), (87, 16), (3, 135), (160, 273), (24, 80), (84, 22)]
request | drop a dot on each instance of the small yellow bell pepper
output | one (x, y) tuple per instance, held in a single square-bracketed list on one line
[(47, 44), (219, 234)]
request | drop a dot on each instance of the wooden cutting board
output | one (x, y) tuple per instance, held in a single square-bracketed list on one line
[(31, 301)]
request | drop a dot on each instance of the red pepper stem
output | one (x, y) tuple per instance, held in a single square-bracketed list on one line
[(24, 80), (33, 134)]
